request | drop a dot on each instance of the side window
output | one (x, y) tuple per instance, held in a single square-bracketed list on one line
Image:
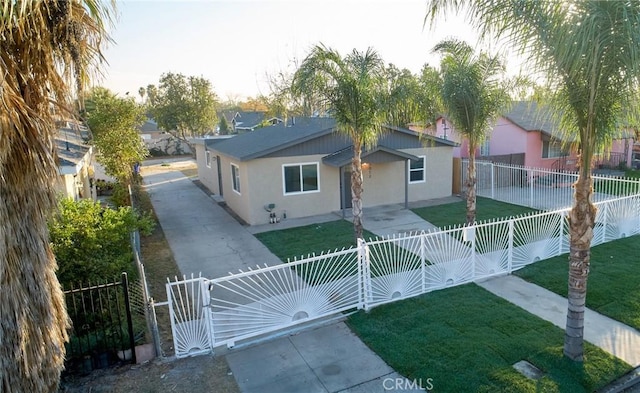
[(417, 170), (235, 178)]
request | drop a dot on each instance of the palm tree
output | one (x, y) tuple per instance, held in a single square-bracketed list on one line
[(589, 54), (473, 97), (47, 49), (353, 88)]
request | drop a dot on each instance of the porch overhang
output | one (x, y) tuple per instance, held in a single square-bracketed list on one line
[(377, 155)]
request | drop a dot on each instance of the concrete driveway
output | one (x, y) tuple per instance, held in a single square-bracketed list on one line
[(204, 238)]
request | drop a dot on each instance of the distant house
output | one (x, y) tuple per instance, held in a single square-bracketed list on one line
[(75, 163), (303, 169), (531, 131), (240, 121), (160, 142)]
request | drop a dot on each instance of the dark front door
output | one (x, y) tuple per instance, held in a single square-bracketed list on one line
[(219, 174), (345, 188)]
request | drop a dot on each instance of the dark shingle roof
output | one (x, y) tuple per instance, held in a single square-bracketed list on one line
[(149, 126), (269, 139), (532, 117)]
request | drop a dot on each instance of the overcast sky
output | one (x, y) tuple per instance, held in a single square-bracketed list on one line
[(235, 43)]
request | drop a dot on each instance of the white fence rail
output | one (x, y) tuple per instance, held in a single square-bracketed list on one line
[(538, 188), (209, 313)]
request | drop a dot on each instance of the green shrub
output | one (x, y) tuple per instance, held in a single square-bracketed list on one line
[(91, 242)]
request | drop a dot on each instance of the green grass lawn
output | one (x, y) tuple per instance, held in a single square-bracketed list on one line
[(456, 213), (614, 283), (315, 238), (466, 340)]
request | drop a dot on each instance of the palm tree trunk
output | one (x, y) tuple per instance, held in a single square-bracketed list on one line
[(581, 222), (34, 318), (471, 186), (356, 190)]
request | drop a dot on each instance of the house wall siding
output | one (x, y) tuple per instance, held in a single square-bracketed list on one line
[(208, 176), (267, 187)]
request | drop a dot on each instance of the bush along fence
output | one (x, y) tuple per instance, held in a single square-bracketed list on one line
[(271, 299), (109, 320), (539, 188)]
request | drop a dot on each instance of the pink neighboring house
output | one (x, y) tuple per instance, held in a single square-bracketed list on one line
[(525, 129)]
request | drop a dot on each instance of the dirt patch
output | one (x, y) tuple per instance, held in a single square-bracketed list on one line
[(197, 374)]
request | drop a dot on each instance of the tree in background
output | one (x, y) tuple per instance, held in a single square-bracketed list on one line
[(184, 106), (589, 55), (113, 122), (224, 126), (353, 88), (473, 95), (48, 50)]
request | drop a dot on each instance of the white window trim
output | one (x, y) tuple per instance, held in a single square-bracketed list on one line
[(284, 181), (424, 171), (233, 180), (207, 158)]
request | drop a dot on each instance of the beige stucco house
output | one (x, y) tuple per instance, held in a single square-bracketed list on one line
[(302, 168)]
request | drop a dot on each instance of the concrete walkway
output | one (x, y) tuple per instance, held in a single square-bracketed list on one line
[(610, 335)]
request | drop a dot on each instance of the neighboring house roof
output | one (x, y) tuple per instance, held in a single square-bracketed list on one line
[(247, 120), (71, 149), (278, 137), (530, 116), (149, 126)]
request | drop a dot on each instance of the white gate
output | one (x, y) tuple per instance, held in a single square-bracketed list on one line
[(209, 313)]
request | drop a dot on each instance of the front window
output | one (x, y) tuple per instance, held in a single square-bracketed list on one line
[(300, 178), (552, 149), (207, 157), (417, 170), (235, 178)]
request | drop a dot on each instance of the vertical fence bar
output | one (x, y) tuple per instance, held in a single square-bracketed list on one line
[(127, 308), (605, 212), (531, 181)]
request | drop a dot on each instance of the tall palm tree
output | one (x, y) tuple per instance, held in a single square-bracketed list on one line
[(473, 95), (590, 55), (353, 88), (47, 49)]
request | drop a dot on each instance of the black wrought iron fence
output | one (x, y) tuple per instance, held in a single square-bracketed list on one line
[(103, 331)]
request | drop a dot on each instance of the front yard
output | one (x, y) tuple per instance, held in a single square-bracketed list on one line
[(465, 338)]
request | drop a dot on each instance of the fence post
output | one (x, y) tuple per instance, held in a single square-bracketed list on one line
[(561, 234), (154, 327), (127, 304), (423, 262), (510, 247), (205, 286), (493, 186), (604, 221), (530, 187), (365, 276)]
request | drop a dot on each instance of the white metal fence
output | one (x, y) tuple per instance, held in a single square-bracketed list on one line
[(208, 313), (538, 188)]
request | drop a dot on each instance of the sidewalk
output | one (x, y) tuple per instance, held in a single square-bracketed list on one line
[(610, 335)]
